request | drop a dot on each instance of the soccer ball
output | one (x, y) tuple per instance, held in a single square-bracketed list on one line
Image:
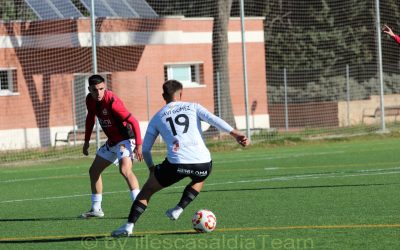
[(204, 221)]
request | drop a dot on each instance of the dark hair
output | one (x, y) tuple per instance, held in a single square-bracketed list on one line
[(170, 87), (95, 79)]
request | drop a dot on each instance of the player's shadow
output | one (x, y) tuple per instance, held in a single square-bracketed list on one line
[(52, 219), (83, 239), (293, 187), (179, 233), (50, 240)]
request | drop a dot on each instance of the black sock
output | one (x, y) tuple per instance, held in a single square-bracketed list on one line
[(189, 194), (136, 211)]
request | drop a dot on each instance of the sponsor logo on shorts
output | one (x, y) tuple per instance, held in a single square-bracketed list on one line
[(192, 172), (184, 171), (201, 173)]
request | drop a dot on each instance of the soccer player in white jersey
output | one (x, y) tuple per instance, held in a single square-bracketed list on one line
[(178, 123)]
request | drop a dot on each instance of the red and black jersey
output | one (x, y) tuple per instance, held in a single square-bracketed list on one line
[(115, 120)]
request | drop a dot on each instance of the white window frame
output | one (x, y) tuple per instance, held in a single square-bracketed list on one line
[(10, 82), (194, 78)]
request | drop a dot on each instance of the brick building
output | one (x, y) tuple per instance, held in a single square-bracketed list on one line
[(44, 66)]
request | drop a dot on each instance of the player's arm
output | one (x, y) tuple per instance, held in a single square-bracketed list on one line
[(138, 137), (90, 120), (390, 32), (396, 38), (136, 129), (212, 119), (123, 114), (240, 137), (148, 142), (222, 125)]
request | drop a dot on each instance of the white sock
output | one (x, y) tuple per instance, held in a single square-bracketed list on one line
[(96, 201), (129, 227), (134, 193), (178, 210)]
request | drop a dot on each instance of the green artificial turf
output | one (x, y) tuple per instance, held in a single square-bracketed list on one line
[(327, 195)]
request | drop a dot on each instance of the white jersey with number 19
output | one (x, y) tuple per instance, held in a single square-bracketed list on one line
[(179, 124)]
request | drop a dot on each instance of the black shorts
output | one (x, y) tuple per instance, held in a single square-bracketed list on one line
[(168, 173)]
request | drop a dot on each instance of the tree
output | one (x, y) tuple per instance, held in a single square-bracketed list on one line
[(319, 35), (220, 49), (15, 10)]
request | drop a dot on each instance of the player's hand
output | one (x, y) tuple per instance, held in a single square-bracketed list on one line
[(240, 138), (243, 140), (387, 30), (85, 148), (138, 152)]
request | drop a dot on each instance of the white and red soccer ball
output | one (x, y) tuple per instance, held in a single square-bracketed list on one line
[(204, 221)]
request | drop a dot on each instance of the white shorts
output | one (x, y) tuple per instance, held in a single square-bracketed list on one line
[(115, 153)]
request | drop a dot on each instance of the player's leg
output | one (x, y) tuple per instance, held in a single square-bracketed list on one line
[(164, 175), (125, 169), (139, 206), (96, 184), (98, 166), (104, 158), (200, 172), (189, 194), (149, 188), (124, 151)]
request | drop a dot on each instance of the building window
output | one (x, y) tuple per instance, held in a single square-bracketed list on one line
[(189, 74), (8, 81)]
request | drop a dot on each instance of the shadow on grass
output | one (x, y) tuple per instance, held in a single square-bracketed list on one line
[(294, 187), (55, 219), (179, 233), (86, 240)]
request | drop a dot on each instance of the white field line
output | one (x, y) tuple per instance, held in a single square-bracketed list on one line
[(243, 159), (35, 169), (27, 169), (42, 178), (274, 179), (58, 177), (246, 158)]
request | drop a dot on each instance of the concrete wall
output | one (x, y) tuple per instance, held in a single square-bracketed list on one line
[(356, 109), (304, 115)]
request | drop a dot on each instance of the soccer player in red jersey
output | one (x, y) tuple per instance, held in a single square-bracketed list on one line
[(389, 31), (120, 127)]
